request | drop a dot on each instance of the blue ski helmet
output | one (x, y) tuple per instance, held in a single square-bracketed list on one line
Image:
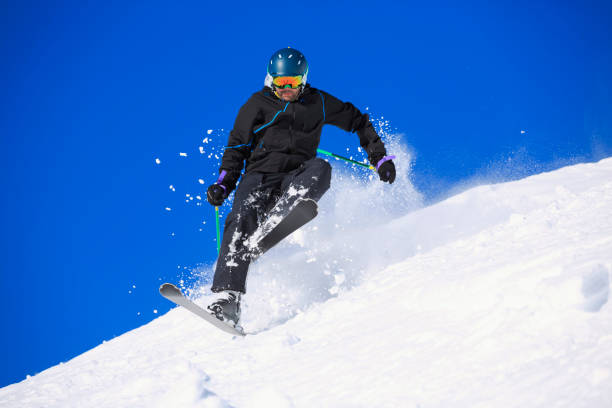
[(287, 62)]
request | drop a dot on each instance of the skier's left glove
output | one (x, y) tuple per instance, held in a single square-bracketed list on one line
[(386, 169)]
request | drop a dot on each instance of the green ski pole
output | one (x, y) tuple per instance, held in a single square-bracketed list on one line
[(369, 166), (218, 230)]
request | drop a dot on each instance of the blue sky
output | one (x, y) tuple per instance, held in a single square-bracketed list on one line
[(92, 95)]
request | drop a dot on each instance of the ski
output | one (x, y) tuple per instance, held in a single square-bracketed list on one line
[(303, 212), (174, 294)]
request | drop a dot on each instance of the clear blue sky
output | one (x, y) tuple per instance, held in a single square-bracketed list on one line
[(93, 92)]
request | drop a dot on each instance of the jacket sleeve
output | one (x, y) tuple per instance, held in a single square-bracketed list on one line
[(347, 117), (238, 146)]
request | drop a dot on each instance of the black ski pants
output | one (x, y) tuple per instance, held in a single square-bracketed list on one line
[(258, 197)]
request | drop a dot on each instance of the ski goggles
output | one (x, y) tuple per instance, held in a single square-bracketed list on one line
[(292, 82)]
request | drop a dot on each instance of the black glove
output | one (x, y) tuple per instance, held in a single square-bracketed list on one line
[(386, 172), (216, 194)]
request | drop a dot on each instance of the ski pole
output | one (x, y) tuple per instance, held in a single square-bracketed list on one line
[(369, 166), (218, 230)]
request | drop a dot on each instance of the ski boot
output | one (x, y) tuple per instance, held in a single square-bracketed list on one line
[(227, 307)]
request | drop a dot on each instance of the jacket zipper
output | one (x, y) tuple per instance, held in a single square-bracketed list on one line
[(291, 138)]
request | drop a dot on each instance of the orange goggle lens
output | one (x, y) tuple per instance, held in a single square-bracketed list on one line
[(287, 81)]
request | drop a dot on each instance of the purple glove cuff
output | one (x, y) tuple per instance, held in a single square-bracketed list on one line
[(384, 159), (220, 180), (221, 177)]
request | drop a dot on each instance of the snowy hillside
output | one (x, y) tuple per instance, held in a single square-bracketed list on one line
[(496, 297)]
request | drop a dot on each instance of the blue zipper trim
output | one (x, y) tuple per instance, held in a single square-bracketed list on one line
[(322, 100), (270, 122), (235, 147)]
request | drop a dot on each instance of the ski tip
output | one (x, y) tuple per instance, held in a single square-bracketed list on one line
[(310, 206), (309, 202), (168, 288)]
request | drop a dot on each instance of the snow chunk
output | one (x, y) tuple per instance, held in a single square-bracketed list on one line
[(339, 278), (596, 288)]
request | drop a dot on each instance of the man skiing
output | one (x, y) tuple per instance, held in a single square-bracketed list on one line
[(277, 132)]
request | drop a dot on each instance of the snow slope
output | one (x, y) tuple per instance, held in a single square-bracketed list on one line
[(496, 297)]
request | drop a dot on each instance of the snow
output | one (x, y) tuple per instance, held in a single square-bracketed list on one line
[(495, 297)]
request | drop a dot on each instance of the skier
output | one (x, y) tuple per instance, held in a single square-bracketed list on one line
[(277, 132)]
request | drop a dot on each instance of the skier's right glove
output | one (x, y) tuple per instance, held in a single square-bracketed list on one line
[(216, 194)]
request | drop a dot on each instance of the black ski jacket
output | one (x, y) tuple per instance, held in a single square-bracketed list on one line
[(275, 136)]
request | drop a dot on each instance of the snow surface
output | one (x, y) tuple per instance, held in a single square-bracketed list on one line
[(496, 297)]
